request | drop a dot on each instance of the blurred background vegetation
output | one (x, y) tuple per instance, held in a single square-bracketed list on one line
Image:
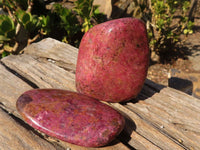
[(23, 22)]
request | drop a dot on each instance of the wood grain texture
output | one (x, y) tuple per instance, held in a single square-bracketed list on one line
[(15, 137), (62, 54), (11, 88), (148, 131), (159, 118), (43, 74)]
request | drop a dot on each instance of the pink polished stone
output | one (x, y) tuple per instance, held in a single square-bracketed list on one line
[(113, 60), (70, 116)]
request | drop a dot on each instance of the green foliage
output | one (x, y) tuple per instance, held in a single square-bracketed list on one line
[(164, 25), (5, 53), (167, 30), (89, 13), (24, 25), (17, 27), (28, 21), (7, 28), (68, 22), (7, 32)]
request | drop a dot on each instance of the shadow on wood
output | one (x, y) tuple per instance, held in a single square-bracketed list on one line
[(125, 135), (149, 89), (183, 85)]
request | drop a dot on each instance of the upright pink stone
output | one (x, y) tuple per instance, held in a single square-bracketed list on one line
[(70, 116), (113, 60)]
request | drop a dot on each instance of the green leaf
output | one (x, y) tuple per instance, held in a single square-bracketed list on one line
[(26, 18), (187, 31), (4, 54), (96, 10), (45, 24), (29, 26), (20, 13), (190, 31), (11, 34), (36, 21), (6, 25)]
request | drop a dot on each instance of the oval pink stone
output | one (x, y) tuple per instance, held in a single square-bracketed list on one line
[(70, 116)]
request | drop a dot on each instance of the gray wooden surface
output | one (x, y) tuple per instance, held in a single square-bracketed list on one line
[(160, 117)]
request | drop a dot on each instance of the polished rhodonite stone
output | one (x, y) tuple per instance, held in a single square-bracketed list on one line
[(70, 116)]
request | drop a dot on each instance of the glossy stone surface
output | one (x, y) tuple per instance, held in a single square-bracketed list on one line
[(70, 116), (113, 60)]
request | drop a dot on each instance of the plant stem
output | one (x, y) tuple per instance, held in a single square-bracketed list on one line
[(29, 6), (33, 39)]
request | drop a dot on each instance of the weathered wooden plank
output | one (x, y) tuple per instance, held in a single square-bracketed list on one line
[(115, 145), (11, 62), (62, 54), (10, 89), (173, 113), (15, 137), (182, 98), (12, 135), (179, 108), (146, 130), (154, 123), (137, 141), (29, 67), (13, 88), (32, 66), (44, 75), (152, 115), (33, 74)]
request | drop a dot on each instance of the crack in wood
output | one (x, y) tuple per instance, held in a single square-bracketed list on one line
[(66, 66), (33, 85)]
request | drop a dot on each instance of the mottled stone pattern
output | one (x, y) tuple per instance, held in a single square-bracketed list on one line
[(70, 116), (113, 60)]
